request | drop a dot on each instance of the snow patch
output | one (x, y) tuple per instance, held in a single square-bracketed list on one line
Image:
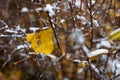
[(18, 28), (85, 49), (94, 68), (80, 70), (119, 10), (77, 3), (11, 31), (24, 9), (69, 0), (62, 20), (45, 28), (49, 8), (38, 9), (114, 66), (53, 57), (104, 44), (6, 26), (21, 47), (97, 52), (96, 23), (34, 29), (83, 19), (78, 36), (93, 2)]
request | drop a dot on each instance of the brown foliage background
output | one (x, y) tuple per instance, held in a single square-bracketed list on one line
[(100, 19)]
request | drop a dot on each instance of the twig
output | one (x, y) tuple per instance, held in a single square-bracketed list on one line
[(8, 59), (28, 57), (115, 13), (91, 20), (108, 56), (98, 7), (52, 26), (72, 14)]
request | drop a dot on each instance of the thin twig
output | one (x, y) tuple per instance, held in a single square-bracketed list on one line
[(115, 12), (52, 26), (91, 21), (98, 7), (22, 60), (72, 14), (108, 56)]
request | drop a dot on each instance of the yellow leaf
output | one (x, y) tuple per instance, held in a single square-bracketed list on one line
[(111, 12), (42, 41), (114, 35)]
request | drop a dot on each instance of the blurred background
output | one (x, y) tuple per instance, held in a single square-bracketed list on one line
[(77, 23)]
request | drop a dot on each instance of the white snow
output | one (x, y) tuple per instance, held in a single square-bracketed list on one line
[(83, 65), (62, 20), (119, 10), (66, 7), (35, 53), (77, 60), (85, 49), (96, 23), (11, 31), (80, 17), (21, 47), (49, 8), (78, 36), (83, 19), (94, 68), (53, 57), (82, 62), (45, 27), (24, 9), (114, 66), (6, 26), (69, 0), (93, 2), (3, 35), (80, 70), (104, 43), (33, 29), (67, 56), (77, 3), (38, 9), (97, 52), (18, 28), (65, 78)]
